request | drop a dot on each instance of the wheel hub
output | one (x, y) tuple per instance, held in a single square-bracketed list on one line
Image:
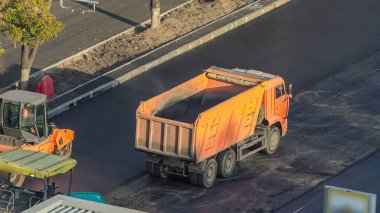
[(210, 172), (228, 163), (273, 142)]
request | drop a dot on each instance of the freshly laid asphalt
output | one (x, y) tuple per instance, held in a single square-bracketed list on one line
[(81, 31), (304, 41), (363, 176)]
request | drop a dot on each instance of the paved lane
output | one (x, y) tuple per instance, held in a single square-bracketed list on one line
[(367, 181), (304, 41), (81, 31)]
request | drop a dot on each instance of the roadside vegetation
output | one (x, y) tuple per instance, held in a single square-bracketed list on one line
[(138, 41), (28, 23)]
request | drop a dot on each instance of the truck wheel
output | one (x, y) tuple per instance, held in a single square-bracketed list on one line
[(156, 170), (160, 171), (226, 163), (17, 180), (193, 178), (273, 140), (207, 177), (149, 166), (260, 117)]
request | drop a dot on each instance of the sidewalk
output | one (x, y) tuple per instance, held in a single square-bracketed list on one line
[(81, 31), (363, 176)]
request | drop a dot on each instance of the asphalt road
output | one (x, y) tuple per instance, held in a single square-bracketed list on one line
[(334, 124), (304, 41), (363, 176), (81, 31)]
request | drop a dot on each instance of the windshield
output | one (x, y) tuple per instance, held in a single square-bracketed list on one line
[(11, 115), (28, 119), (40, 120)]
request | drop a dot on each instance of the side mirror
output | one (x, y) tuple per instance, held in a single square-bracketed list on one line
[(290, 91)]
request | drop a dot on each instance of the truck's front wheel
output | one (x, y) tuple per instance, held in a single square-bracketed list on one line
[(273, 140)]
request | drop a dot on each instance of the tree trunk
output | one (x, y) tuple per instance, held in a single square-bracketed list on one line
[(28, 54), (155, 12), (49, 4)]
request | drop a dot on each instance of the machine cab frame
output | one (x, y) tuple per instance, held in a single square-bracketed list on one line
[(23, 115)]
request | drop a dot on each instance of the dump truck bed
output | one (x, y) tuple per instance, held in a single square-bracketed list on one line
[(187, 110), (202, 116)]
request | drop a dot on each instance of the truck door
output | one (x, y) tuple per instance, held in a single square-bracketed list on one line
[(281, 102)]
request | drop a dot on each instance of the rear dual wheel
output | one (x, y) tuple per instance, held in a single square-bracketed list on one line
[(207, 178), (156, 170), (223, 166), (226, 163)]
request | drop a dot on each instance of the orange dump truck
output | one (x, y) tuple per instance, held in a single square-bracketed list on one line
[(202, 127)]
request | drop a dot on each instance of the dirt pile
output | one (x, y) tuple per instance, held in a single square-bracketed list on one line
[(134, 44)]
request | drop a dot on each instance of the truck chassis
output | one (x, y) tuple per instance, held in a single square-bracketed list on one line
[(160, 166)]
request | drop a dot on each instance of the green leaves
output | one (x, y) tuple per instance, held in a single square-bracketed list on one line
[(28, 22)]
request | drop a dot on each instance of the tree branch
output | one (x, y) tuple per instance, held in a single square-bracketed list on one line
[(33, 53)]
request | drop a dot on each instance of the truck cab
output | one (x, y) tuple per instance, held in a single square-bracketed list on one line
[(276, 103)]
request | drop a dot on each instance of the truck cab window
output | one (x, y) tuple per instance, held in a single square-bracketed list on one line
[(28, 120), (40, 120), (279, 91), (11, 116)]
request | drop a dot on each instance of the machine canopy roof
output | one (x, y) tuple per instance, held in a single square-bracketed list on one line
[(23, 96), (34, 164)]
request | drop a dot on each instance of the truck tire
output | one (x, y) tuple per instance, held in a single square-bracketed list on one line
[(207, 178), (17, 180), (149, 166), (160, 171), (273, 140), (260, 117), (156, 170), (226, 163), (193, 178)]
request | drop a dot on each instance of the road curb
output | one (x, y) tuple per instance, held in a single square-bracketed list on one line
[(258, 11), (41, 71)]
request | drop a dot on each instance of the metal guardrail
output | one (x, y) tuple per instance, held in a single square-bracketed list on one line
[(197, 42), (93, 3), (40, 72)]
